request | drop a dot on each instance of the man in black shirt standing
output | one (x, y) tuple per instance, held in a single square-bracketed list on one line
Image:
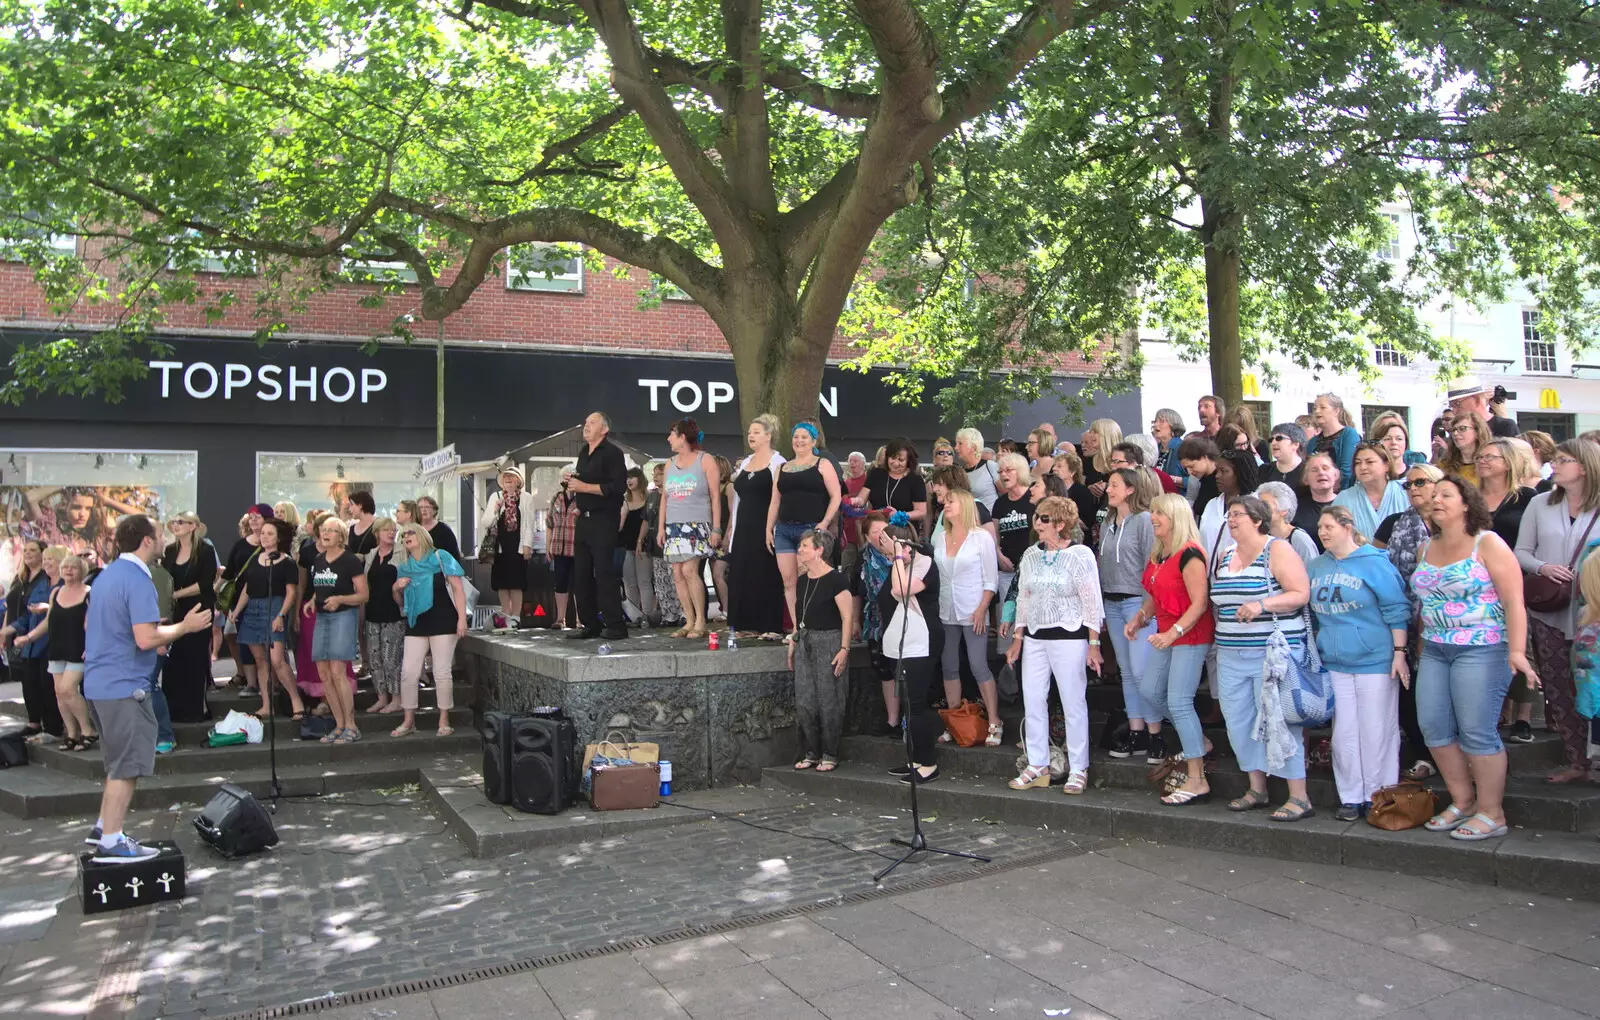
[(599, 482)]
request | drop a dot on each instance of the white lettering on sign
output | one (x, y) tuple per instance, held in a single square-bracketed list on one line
[(202, 381), (686, 395)]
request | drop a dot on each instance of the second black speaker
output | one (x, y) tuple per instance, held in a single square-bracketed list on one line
[(497, 728), (544, 767)]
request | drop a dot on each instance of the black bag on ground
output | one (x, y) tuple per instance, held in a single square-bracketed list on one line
[(13, 751), (315, 727)]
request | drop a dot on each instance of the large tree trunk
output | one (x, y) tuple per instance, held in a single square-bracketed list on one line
[(779, 368), (1222, 302)]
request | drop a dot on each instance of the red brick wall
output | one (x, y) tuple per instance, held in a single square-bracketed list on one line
[(605, 315)]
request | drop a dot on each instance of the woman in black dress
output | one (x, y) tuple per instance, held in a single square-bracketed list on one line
[(192, 562), (509, 516), (755, 586), (441, 533)]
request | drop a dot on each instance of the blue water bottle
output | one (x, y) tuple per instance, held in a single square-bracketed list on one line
[(666, 778)]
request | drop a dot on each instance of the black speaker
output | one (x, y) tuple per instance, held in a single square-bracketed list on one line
[(497, 756), (234, 823), (544, 772)]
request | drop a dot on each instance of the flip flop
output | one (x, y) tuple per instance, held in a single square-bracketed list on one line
[(826, 766), (805, 763)]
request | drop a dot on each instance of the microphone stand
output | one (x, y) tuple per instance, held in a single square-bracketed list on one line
[(918, 843)]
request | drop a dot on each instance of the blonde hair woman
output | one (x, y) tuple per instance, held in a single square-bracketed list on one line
[(338, 586), (192, 562), (62, 628), (1098, 439), (1177, 597), (433, 596), (287, 512), (753, 568), (965, 556), (1468, 434)]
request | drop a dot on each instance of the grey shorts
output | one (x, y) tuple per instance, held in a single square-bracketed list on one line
[(127, 728)]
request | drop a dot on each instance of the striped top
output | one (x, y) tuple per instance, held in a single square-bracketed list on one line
[(1230, 590), (1460, 605)]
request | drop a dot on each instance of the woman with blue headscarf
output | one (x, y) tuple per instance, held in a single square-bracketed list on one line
[(432, 593), (805, 496)]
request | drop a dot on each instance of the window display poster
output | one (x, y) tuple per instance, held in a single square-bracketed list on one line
[(83, 518)]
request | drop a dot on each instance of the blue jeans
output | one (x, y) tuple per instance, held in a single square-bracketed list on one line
[(1238, 677), (1131, 655), (1459, 691), (158, 704), (1171, 676)]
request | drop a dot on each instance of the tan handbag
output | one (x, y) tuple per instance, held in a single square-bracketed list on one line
[(967, 724), (1401, 806)]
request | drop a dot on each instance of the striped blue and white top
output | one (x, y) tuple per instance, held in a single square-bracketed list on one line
[(1230, 590)]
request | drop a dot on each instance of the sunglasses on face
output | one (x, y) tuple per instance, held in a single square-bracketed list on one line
[(1463, 430), (1043, 519), (1418, 483)]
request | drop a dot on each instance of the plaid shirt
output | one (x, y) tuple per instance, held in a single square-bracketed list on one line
[(563, 524)]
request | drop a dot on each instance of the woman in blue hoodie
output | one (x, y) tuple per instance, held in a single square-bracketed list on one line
[(1361, 611)]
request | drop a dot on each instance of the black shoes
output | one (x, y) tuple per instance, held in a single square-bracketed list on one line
[(1131, 742), (586, 634), (900, 771), (616, 633), (1156, 753), (1522, 732), (920, 779)]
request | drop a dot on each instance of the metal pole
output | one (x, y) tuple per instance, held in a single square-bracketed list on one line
[(438, 401)]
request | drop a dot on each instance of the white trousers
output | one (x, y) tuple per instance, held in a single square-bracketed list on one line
[(443, 649), (1366, 734), (1068, 660)]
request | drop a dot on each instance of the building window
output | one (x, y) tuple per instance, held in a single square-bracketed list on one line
[(1561, 427), (1371, 412), (668, 290), (215, 260), (75, 497), (545, 267), (15, 231), (322, 481), (1385, 356), (1538, 354), (1261, 410), (365, 271), (1390, 249)]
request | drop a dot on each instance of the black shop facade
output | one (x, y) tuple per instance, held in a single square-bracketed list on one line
[(217, 424)]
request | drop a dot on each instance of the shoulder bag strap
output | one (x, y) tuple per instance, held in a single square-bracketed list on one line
[(1578, 549)]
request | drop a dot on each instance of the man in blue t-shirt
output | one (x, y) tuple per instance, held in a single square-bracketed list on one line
[(123, 633)]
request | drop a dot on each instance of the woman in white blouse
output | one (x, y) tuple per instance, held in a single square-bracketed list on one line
[(1058, 620), (966, 556)]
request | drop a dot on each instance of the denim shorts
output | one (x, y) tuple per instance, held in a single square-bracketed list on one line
[(255, 623), (334, 639), (1459, 691), (60, 666), (786, 536)]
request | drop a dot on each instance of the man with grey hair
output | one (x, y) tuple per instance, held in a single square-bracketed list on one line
[(981, 473), (855, 479), (1282, 501)]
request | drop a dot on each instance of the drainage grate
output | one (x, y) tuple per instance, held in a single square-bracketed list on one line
[(1070, 848)]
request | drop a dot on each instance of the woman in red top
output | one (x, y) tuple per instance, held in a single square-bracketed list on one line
[(1179, 599)]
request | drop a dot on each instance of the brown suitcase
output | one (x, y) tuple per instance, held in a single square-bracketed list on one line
[(618, 787)]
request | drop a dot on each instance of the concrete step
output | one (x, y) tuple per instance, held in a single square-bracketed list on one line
[(1529, 801), (33, 792), (1555, 863), (197, 760), (223, 700)]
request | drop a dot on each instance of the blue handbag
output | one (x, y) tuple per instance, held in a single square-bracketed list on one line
[(1306, 691)]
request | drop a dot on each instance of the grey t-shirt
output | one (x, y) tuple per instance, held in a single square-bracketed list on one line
[(688, 492), (982, 480)]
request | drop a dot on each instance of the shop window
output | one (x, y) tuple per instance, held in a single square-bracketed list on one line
[(1261, 411), (1370, 413), (1561, 427), (546, 267), (75, 498), (16, 230), (321, 481)]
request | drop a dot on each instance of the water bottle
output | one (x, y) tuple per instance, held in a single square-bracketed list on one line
[(605, 649), (666, 778), (733, 641)]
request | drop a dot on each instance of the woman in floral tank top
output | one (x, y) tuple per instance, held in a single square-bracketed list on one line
[(1474, 630)]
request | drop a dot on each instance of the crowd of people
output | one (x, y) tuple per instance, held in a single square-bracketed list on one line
[(1441, 594)]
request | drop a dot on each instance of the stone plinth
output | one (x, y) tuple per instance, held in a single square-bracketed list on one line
[(720, 717)]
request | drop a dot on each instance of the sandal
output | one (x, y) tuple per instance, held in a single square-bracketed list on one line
[(1183, 798), (70, 744), (1032, 777), (348, 736), (402, 731), (332, 736), (1077, 782), (298, 716), (680, 632), (88, 743), (695, 634), (444, 731), (1293, 810), (1420, 770), (805, 763), (1251, 800), (993, 739), (1478, 827), (827, 765), (1449, 819)]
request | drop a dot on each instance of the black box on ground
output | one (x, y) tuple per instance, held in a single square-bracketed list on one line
[(132, 883)]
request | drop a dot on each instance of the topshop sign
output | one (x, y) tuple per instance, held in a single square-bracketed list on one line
[(688, 396), (202, 380)]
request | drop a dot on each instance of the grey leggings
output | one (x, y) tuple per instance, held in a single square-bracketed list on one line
[(955, 634), (819, 696)]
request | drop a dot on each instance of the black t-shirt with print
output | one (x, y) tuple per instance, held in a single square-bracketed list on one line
[(1013, 518), (336, 578)]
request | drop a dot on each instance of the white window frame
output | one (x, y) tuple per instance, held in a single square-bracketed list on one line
[(61, 244), (670, 291), (1531, 337), (1382, 350), (555, 283), (214, 261), (1392, 250), (383, 271)]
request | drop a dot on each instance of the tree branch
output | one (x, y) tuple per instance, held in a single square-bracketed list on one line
[(801, 230), (569, 146)]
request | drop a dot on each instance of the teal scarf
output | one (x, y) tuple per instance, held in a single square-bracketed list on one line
[(418, 593)]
